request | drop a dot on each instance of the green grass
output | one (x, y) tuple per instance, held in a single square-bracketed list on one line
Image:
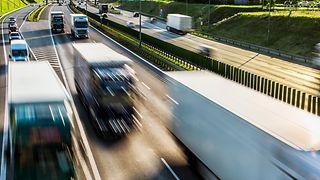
[(295, 33), (7, 6), (36, 14)]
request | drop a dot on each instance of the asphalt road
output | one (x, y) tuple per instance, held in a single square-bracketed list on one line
[(4, 53), (293, 75), (143, 153)]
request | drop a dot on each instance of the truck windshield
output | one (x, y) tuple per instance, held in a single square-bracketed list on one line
[(57, 19), (81, 24), (19, 52)]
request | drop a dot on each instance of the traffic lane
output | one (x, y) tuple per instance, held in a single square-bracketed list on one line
[(139, 155)]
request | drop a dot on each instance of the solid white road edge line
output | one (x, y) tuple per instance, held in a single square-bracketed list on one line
[(172, 172), (82, 133)]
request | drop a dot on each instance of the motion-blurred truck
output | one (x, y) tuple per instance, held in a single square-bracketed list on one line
[(79, 25), (105, 81), (40, 130), (178, 23), (230, 131), (103, 8), (57, 21)]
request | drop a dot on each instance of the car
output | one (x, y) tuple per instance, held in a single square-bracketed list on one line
[(136, 14), (14, 36), (130, 24), (13, 28), (12, 20), (205, 50), (153, 20)]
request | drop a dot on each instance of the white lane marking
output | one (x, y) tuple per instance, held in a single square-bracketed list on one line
[(94, 41), (23, 36), (172, 99), (6, 116), (145, 85), (81, 129), (172, 172), (137, 112)]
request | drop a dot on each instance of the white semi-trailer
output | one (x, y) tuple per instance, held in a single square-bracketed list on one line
[(232, 132), (179, 23), (79, 25), (104, 81), (40, 130)]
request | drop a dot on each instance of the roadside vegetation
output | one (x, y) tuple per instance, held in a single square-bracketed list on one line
[(292, 29), (9, 5), (36, 14), (296, 32)]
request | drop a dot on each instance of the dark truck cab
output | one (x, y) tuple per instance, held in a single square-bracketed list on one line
[(105, 83), (57, 21)]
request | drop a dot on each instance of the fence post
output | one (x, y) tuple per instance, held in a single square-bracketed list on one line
[(298, 98), (289, 95), (314, 104), (284, 93), (272, 88), (265, 86), (318, 106), (280, 92), (309, 103), (293, 97), (277, 91), (258, 83), (303, 100), (269, 87)]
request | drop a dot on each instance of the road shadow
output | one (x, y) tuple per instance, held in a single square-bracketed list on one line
[(91, 132), (36, 33), (3, 69)]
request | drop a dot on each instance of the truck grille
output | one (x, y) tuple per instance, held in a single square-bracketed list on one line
[(82, 32)]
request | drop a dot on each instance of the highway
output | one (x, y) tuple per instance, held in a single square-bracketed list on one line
[(149, 151), (293, 75)]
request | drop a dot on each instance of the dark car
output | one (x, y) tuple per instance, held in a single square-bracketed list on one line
[(13, 28), (136, 14)]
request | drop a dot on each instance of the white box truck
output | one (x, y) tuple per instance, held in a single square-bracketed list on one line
[(233, 132), (179, 23), (79, 25), (40, 130), (19, 50), (105, 83)]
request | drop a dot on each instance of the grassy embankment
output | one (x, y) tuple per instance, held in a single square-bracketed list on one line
[(7, 6), (36, 14), (296, 32)]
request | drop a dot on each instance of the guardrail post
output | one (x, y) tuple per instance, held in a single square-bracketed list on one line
[(247, 79), (289, 95), (284, 93), (252, 81), (298, 98), (314, 104), (269, 88), (265, 86), (309, 103), (303, 100), (293, 97)]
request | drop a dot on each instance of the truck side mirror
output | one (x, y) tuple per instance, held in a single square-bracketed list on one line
[(10, 56)]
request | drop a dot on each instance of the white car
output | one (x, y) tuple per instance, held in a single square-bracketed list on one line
[(14, 36), (130, 24), (19, 50)]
